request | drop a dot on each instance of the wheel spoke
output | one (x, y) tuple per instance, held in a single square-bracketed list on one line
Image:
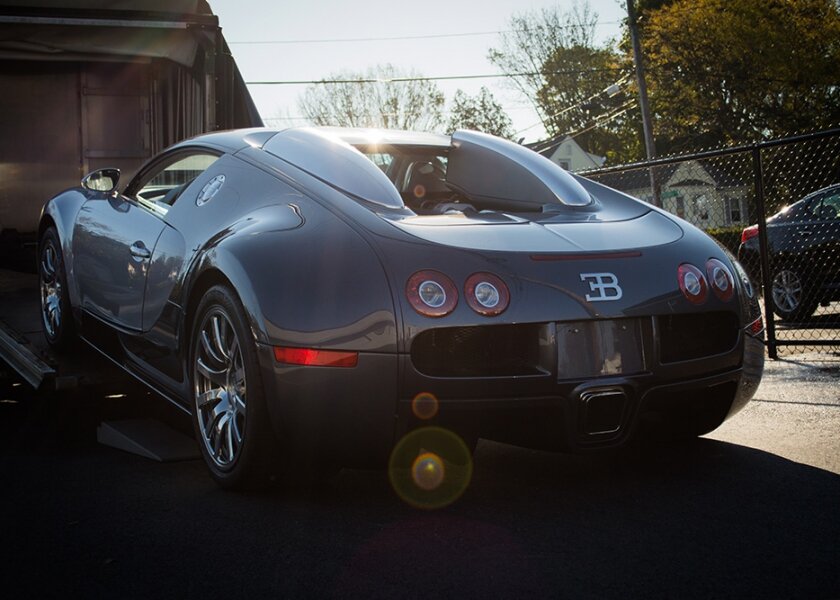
[(209, 349), (218, 339), (217, 376), (208, 397), (229, 438), (238, 404), (236, 432)]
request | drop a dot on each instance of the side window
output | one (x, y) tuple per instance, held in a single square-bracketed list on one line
[(830, 208), (161, 187)]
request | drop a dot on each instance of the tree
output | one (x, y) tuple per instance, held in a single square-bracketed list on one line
[(734, 71), (480, 113), (553, 59), (381, 97)]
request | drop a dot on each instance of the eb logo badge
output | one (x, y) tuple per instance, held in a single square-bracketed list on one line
[(604, 287)]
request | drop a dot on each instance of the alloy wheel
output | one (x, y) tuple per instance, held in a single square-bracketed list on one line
[(51, 290), (787, 290), (220, 388)]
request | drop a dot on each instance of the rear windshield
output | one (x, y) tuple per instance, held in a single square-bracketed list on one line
[(418, 173)]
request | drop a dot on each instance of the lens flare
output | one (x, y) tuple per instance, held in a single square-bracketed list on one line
[(428, 471), (430, 468), (424, 406)]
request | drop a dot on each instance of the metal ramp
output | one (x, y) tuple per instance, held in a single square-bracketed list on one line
[(148, 438)]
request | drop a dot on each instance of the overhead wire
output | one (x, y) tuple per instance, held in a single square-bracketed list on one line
[(423, 78), (428, 36)]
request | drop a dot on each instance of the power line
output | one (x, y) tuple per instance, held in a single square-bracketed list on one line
[(429, 36), (437, 78), (610, 90)]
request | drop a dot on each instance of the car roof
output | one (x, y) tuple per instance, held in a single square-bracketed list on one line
[(236, 139)]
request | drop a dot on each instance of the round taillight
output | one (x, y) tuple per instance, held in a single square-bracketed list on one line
[(486, 294), (432, 294), (692, 283), (723, 284)]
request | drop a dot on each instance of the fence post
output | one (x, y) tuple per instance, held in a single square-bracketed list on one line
[(758, 171)]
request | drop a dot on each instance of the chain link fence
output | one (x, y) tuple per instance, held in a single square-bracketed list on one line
[(774, 205)]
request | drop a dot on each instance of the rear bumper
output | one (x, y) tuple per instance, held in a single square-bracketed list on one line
[(354, 416)]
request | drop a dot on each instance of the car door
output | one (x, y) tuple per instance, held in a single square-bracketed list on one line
[(112, 244)]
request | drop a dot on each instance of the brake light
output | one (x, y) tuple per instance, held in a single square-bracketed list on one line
[(692, 283), (432, 294), (723, 284), (312, 357), (749, 233), (486, 294)]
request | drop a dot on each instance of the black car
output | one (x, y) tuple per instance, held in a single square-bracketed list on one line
[(803, 249), (353, 297)]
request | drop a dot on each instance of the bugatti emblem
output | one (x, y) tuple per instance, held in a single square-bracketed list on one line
[(604, 287), (210, 189)]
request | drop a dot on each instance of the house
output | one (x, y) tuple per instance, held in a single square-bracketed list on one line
[(568, 154), (706, 194)]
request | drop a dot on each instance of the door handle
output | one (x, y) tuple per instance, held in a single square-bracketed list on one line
[(139, 250)]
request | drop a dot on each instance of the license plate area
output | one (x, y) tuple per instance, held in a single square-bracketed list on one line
[(599, 348)]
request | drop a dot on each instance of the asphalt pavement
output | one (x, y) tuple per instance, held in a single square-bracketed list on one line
[(750, 511)]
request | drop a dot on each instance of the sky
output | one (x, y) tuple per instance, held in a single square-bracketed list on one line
[(283, 40)]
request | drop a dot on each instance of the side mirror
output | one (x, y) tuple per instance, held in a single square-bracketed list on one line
[(102, 180)]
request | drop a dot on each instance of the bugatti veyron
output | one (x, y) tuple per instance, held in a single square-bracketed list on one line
[(311, 296)]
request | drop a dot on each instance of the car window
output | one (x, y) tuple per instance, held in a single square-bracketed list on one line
[(829, 208), (162, 186)]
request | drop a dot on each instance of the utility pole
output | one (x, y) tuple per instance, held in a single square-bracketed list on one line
[(650, 147)]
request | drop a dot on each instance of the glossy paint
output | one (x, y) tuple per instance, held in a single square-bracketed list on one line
[(321, 261)]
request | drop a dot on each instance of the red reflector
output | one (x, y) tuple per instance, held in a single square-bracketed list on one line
[(756, 327), (749, 233), (311, 357)]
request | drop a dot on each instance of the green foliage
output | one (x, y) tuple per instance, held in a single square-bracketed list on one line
[(374, 99), (728, 236), (479, 113), (735, 71)]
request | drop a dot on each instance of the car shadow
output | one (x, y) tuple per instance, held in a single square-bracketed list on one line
[(702, 519)]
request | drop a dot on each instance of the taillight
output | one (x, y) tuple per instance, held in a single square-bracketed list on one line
[(723, 284), (486, 294), (692, 283), (749, 233), (432, 294), (312, 357)]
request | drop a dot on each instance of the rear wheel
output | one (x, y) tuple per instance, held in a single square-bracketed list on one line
[(792, 301), (56, 316), (229, 411)]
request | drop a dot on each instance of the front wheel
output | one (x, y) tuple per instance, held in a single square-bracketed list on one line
[(56, 316), (792, 300), (229, 412)]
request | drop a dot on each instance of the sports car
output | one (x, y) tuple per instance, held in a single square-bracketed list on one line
[(314, 296)]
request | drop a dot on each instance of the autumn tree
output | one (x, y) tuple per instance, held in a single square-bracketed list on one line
[(481, 113), (735, 71), (382, 97)]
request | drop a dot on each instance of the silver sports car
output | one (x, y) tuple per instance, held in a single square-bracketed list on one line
[(318, 297)]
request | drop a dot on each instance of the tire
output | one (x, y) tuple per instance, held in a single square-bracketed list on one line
[(56, 312), (792, 300), (230, 417)]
